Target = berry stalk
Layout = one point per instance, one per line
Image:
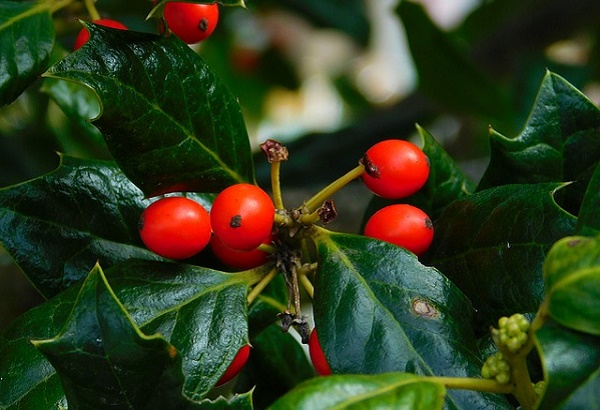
(91, 8)
(317, 200)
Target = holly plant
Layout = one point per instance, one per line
(172, 280)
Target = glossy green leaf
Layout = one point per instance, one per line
(79, 103)
(446, 73)
(588, 218)
(58, 225)
(383, 391)
(201, 312)
(104, 360)
(26, 40)
(446, 182)
(572, 275)
(560, 142)
(378, 310)
(277, 364)
(571, 363)
(169, 122)
(492, 245)
(237, 402)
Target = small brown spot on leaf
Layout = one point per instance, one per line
(424, 309)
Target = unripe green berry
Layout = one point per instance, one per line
(502, 322)
(512, 328)
(503, 377)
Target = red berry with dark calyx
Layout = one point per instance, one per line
(191, 22)
(84, 34)
(175, 227)
(242, 216)
(403, 225)
(236, 366)
(317, 356)
(395, 169)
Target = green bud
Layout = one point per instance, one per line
(503, 378)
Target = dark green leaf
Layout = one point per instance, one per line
(446, 73)
(58, 225)
(26, 40)
(167, 119)
(384, 391)
(79, 103)
(572, 275)
(588, 218)
(237, 402)
(200, 311)
(277, 364)
(379, 310)
(104, 360)
(492, 245)
(571, 362)
(560, 142)
(446, 182)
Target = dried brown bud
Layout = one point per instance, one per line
(274, 151)
(327, 212)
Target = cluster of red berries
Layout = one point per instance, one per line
(395, 169)
(191, 22)
(240, 220)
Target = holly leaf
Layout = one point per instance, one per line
(572, 379)
(588, 218)
(492, 245)
(560, 142)
(201, 312)
(572, 278)
(26, 41)
(78, 103)
(389, 391)
(169, 122)
(277, 364)
(379, 310)
(104, 360)
(58, 225)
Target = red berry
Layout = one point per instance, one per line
(239, 259)
(403, 225)
(191, 22)
(242, 216)
(238, 363)
(317, 356)
(175, 227)
(395, 169)
(84, 34)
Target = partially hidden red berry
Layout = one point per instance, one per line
(242, 216)
(403, 225)
(239, 259)
(175, 227)
(191, 22)
(236, 366)
(84, 34)
(395, 169)
(317, 356)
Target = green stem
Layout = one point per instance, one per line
(317, 200)
(469, 383)
(308, 286)
(260, 286)
(276, 185)
(92, 11)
